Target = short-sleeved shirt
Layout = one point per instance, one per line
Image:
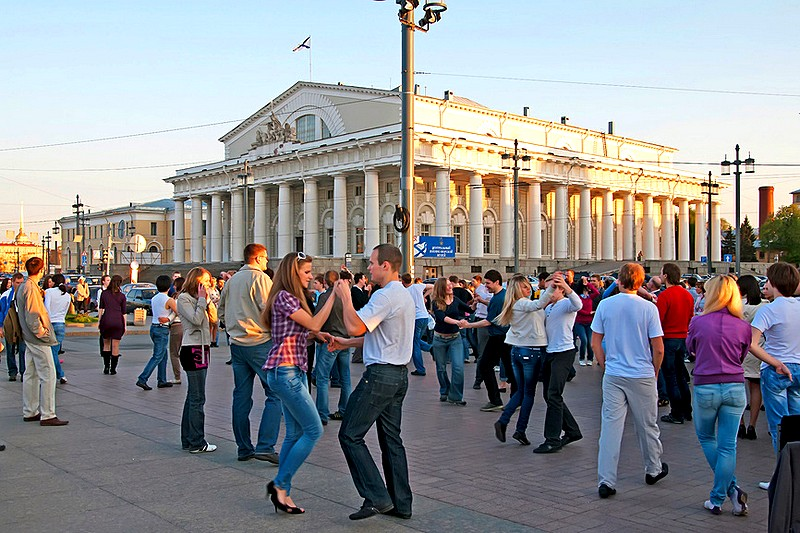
(389, 317)
(456, 310)
(628, 322)
(493, 311)
(289, 339)
(780, 324)
(417, 291)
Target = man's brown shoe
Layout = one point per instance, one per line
(55, 421)
(33, 418)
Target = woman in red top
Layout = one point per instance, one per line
(583, 322)
(113, 319)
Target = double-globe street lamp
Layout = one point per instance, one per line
(512, 161)
(749, 168)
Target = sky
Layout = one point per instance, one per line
(79, 70)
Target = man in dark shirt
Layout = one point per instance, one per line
(465, 296)
(326, 360)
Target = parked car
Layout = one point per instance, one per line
(93, 296)
(140, 298)
(125, 289)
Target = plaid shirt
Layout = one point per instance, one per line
(289, 339)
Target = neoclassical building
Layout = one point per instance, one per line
(317, 169)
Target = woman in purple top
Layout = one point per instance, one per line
(720, 340)
(112, 314)
(289, 317)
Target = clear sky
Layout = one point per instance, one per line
(79, 70)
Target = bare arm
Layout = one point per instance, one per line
(657, 344)
(314, 323)
(597, 347)
(760, 353)
(355, 326)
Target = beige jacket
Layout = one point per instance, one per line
(240, 306)
(197, 315)
(33, 318)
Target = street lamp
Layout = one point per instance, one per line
(78, 207)
(749, 168)
(511, 161)
(711, 188)
(56, 231)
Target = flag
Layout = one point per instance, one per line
(304, 44)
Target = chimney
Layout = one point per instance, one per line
(766, 206)
(611, 127)
(416, 88)
(525, 111)
(448, 95)
(564, 119)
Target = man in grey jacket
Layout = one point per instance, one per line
(39, 386)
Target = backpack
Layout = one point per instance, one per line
(11, 327)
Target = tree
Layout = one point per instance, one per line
(728, 242)
(748, 239)
(781, 233)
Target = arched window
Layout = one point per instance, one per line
(153, 249)
(326, 133)
(306, 128)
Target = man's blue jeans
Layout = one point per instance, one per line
(781, 397)
(378, 399)
(59, 328)
(323, 362)
(193, 435)
(160, 337)
(676, 376)
(717, 410)
(420, 325)
(15, 352)
(247, 362)
(449, 350)
(527, 363)
(303, 427)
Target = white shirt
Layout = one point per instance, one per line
(627, 322)
(159, 306)
(57, 304)
(780, 324)
(559, 322)
(389, 317)
(481, 310)
(417, 294)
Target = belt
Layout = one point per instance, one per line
(160, 325)
(446, 335)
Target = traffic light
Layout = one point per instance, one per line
(105, 256)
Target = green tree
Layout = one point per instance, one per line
(728, 241)
(781, 233)
(748, 239)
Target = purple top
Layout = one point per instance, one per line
(289, 339)
(720, 341)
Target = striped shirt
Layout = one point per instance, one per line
(289, 339)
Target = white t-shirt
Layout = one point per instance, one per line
(416, 291)
(560, 321)
(481, 310)
(57, 304)
(627, 322)
(780, 324)
(159, 306)
(389, 317)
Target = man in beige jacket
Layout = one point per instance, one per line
(39, 385)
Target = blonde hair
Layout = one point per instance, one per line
(513, 293)
(723, 292)
(192, 282)
(440, 293)
(287, 278)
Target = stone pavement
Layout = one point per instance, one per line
(118, 465)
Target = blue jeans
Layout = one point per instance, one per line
(465, 344)
(717, 410)
(584, 334)
(527, 363)
(14, 353)
(303, 427)
(420, 325)
(781, 397)
(60, 329)
(323, 363)
(449, 351)
(378, 399)
(247, 362)
(160, 337)
(677, 378)
(193, 421)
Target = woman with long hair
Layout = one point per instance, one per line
(528, 340)
(113, 318)
(57, 301)
(583, 321)
(447, 346)
(289, 317)
(197, 314)
(720, 339)
(175, 330)
(751, 302)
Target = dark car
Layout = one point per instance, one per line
(93, 296)
(139, 298)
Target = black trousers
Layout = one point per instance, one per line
(496, 351)
(556, 369)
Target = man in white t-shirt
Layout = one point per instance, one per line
(159, 334)
(418, 292)
(630, 350)
(387, 325)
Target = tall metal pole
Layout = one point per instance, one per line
(407, 139)
(246, 215)
(709, 192)
(79, 243)
(516, 209)
(737, 186)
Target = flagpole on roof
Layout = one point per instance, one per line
(307, 45)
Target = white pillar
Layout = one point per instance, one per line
(560, 223)
(507, 217)
(284, 219)
(311, 226)
(535, 220)
(699, 231)
(372, 233)
(648, 233)
(683, 229)
(226, 229)
(340, 215)
(260, 216)
(197, 229)
(476, 215)
(207, 210)
(628, 216)
(716, 233)
(667, 230)
(597, 214)
(585, 224)
(179, 239)
(442, 227)
(237, 225)
(608, 225)
(214, 231)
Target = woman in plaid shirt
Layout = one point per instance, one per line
(289, 317)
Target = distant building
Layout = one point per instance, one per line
(796, 197)
(18, 248)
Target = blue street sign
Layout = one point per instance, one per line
(728, 258)
(84, 259)
(433, 246)
(703, 259)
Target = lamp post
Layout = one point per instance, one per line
(511, 161)
(749, 168)
(711, 188)
(56, 231)
(78, 207)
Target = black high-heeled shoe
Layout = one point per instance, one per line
(272, 492)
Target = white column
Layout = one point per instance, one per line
(476, 215)
(197, 229)
(535, 220)
(597, 214)
(628, 216)
(560, 223)
(226, 229)
(372, 233)
(442, 227)
(699, 231)
(585, 224)
(340, 215)
(311, 227)
(667, 230)
(608, 225)
(179, 239)
(683, 229)
(214, 231)
(507, 217)
(648, 233)
(207, 210)
(284, 219)
(716, 233)
(237, 225)
(260, 216)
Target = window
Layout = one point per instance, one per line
(389, 234)
(298, 242)
(358, 190)
(153, 228)
(425, 230)
(172, 227)
(428, 186)
(329, 194)
(204, 227)
(487, 193)
(326, 133)
(389, 187)
(487, 240)
(305, 126)
(153, 249)
(360, 240)
(101, 232)
(457, 233)
(330, 240)
(459, 190)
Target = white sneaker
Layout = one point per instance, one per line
(589, 363)
(205, 449)
(739, 501)
(764, 485)
(582, 362)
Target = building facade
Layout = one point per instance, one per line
(317, 169)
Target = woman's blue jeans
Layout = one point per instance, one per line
(303, 426)
(527, 363)
(584, 333)
(59, 328)
(193, 421)
(781, 397)
(717, 410)
(449, 350)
